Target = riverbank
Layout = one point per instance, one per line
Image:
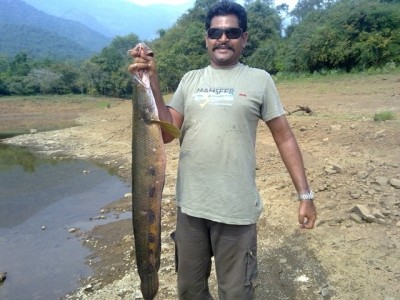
(352, 163)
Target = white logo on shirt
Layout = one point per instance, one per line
(214, 96)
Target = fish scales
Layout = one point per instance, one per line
(148, 174)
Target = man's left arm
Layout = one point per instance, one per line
(293, 160)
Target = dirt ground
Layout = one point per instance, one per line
(353, 165)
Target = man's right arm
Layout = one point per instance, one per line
(166, 114)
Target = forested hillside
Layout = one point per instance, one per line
(115, 17)
(39, 43)
(325, 36)
(24, 28)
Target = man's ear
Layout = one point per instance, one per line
(206, 39)
(245, 38)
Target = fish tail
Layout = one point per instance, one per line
(149, 286)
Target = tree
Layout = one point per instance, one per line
(347, 35)
(44, 81)
(20, 66)
(106, 73)
(305, 7)
(264, 26)
(69, 78)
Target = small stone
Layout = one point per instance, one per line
(380, 133)
(363, 212)
(336, 127)
(394, 182)
(337, 168)
(380, 221)
(88, 288)
(96, 286)
(329, 170)
(3, 276)
(122, 293)
(302, 278)
(381, 180)
(325, 292)
(356, 218)
(377, 213)
(72, 230)
(355, 195)
(137, 295)
(43, 227)
(362, 175)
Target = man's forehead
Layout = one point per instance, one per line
(225, 21)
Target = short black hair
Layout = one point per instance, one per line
(227, 7)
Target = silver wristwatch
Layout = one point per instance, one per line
(306, 196)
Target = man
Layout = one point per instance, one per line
(218, 109)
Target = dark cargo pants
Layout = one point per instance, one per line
(234, 248)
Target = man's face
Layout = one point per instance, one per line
(225, 51)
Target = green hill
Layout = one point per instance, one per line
(38, 43)
(24, 28)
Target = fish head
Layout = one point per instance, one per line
(140, 49)
(141, 76)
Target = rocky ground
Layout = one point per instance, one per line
(353, 165)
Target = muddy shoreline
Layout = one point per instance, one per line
(351, 160)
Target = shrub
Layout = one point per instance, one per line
(384, 116)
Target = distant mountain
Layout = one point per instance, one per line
(115, 17)
(24, 28)
(38, 43)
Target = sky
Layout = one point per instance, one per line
(291, 3)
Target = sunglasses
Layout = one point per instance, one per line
(231, 33)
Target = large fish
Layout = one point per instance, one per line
(148, 174)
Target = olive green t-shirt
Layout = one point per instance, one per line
(221, 109)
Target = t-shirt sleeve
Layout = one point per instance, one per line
(177, 101)
(271, 106)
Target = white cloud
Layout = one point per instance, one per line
(291, 3)
(150, 2)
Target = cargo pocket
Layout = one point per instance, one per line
(172, 235)
(251, 266)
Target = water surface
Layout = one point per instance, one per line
(41, 199)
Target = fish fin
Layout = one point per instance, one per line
(168, 127)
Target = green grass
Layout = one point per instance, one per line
(334, 75)
(384, 116)
(84, 101)
(103, 104)
(5, 135)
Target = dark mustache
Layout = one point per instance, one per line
(221, 46)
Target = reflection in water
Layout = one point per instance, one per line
(11, 156)
(37, 191)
